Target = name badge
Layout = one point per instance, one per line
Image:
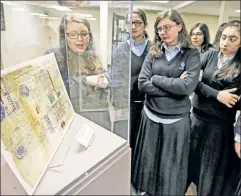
(182, 65)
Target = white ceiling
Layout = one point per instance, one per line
(195, 7)
(212, 8)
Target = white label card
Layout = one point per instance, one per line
(85, 136)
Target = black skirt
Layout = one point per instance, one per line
(135, 117)
(160, 158)
(238, 189)
(213, 165)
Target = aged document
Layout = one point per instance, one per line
(35, 115)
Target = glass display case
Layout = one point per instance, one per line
(82, 36)
(32, 29)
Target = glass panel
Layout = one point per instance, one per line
(83, 36)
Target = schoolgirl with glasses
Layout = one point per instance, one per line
(199, 34)
(168, 76)
(139, 45)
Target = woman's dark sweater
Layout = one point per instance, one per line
(205, 103)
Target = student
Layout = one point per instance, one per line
(160, 158)
(81, 69)
(139, 45)
(214, 109)
(200, 37)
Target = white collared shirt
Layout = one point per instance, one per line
(223, 62)
(137, 49)
(170, 54)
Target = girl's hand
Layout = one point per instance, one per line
(184, 75)
(237, 148)
(227, 98)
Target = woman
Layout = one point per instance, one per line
(200, 37)
(160, 158)
(139, 45)
(81, 69)
(212, 158)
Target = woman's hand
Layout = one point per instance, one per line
(237, 148)
(227, 98)
(99, 81)
(184, 75)
(102, 82)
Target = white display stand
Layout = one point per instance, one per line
(101, 169)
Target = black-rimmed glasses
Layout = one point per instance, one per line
(197, 34)
(137, 23)
(76, 35)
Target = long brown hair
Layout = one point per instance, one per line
(183, 36)
(232, 69)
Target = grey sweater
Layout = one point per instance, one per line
(167, 96)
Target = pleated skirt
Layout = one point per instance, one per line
(135, 117)
(214, 167)
(160, 157)
(238, 188)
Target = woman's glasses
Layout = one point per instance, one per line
(76, 35)
(137, 23)
(165, 28)
(197, 34)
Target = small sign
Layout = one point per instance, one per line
(85, 136)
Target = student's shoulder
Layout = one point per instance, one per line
(192, 53)
(209, 54)
(122, 46)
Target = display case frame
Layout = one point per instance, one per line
(107, 160)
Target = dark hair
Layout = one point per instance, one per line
(74, 17)
(218, 35)
(143, 17)
(206, 38)
(183, 37)
(231, 70)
